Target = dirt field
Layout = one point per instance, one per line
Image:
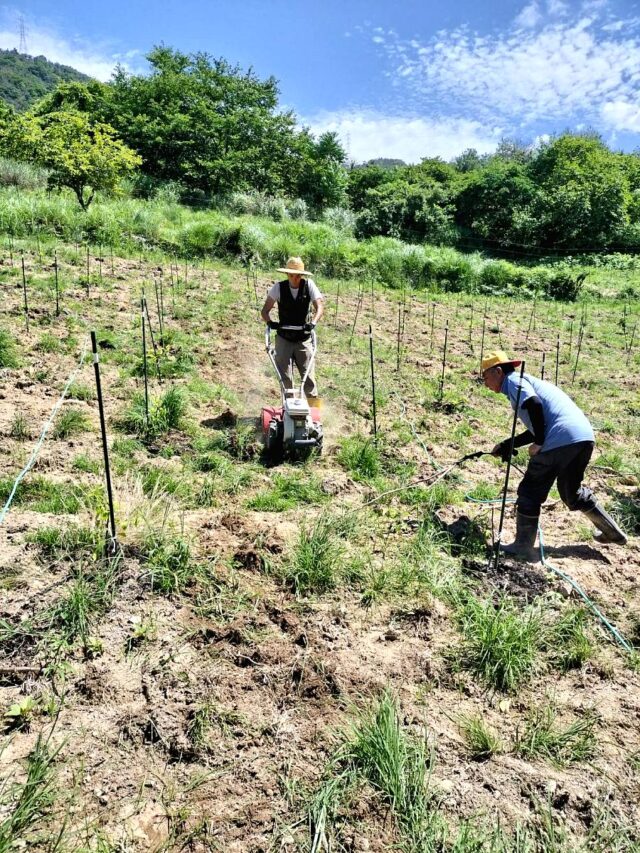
(197, 691)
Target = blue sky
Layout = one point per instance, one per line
(399, 79)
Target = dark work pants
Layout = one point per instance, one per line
(567, 464)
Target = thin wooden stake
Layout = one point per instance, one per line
(88, 272)
(335, 319)
(557, 358)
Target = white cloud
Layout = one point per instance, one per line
(367, 134)
(97, 61)
(622, 115)
(552, 70)
(557, 8)
(529, 16)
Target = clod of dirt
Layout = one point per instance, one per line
(249, 559)
(223, 421)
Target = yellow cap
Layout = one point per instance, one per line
(498, 356)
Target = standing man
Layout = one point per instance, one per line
(294, 297)
(561, 442)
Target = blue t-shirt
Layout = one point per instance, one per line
(564, 422)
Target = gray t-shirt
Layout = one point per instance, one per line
(314, 292)
(564, 422)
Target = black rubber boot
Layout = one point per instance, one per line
(522, 546)
(608, 529)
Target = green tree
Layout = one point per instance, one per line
(584, 198)
(212, 127)
(80, 154)
(411, 212)
(496, 202)
(322, 177)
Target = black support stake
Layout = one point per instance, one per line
(496, 556)
(144, 359)
(579, 347)
(55, 272)
(373, 386)
(557, 357)
(24, 291)
(103, 430)
(355, 319)
(544, 358)
(156, 357)
(444, 360)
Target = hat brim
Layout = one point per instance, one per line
(293, 272)
(516, 362)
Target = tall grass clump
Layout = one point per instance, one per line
(288, 491)
(568, 641)
(25, 805)
(481, 741)
(315, 563)
(165, 413)
(23, 176)
(361, 457)
(396, 765)
(169, 564)
(8, 350)
(543, 738)
(500, 643)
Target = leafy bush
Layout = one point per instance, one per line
(23, 176)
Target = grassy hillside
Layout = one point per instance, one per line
(328, 246)
(24, 78)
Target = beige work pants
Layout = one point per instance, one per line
(300, 352)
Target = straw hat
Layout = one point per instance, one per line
(295, 266)
(498, 357)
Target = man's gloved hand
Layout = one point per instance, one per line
(273, 324)
(502, 450)
(309, 327)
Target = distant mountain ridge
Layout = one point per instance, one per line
(24, 78)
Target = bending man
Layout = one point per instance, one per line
(561, 442)
(294, 296)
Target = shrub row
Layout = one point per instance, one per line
(330, 250)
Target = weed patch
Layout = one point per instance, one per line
(500, 643)
(542, 738)
(288, 491)
(70, 422)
